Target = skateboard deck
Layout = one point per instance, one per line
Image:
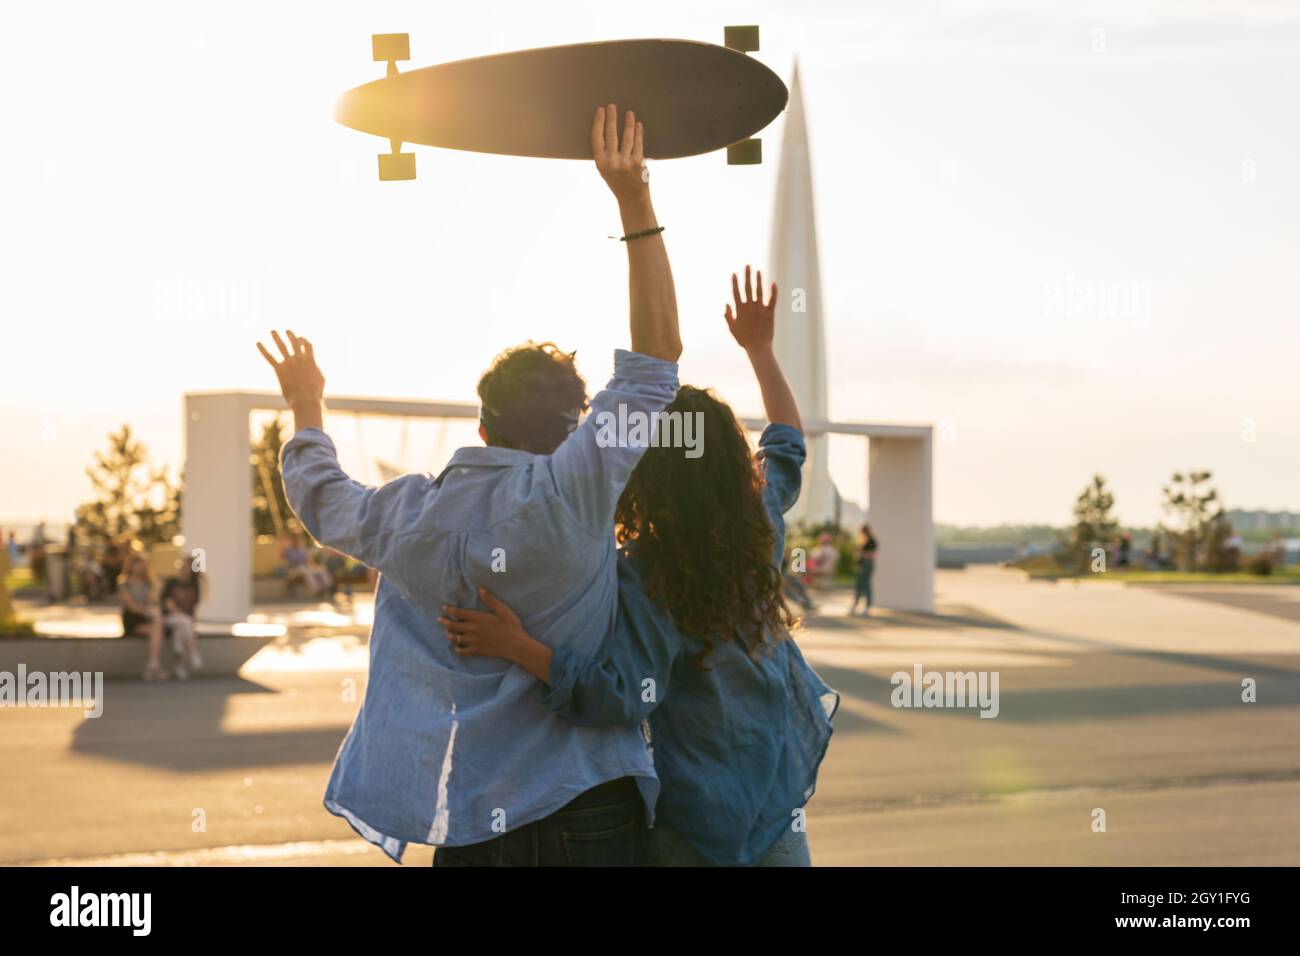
(692, 97)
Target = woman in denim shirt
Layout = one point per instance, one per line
(701, 651)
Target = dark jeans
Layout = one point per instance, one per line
(862, 584)
(603, 827)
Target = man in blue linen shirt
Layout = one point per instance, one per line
(464, 753)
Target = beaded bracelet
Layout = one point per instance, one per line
(642, 234)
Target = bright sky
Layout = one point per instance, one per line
(1068, 234)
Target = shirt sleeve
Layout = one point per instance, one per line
(591, 466)
(782, 451)
(344, 514)
(628, 678)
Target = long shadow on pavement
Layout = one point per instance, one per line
(1276, 685)
(177, 726)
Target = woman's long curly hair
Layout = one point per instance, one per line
(702, 534)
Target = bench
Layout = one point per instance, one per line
(224, 649)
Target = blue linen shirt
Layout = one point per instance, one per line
(448, 750)
(737, 746)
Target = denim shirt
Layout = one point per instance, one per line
(737, 746)
(448, 750)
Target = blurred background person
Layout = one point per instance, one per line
(792, 587)
(178, 602)
(866, 567)
(140, 618)
(300, 572)
(822, 561)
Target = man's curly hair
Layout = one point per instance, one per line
(703, 536)
(531, 396)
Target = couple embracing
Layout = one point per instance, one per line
(580, 652)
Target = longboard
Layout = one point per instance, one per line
(693, 97)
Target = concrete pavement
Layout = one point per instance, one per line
(1126, 700)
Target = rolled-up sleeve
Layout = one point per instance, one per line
(593, 464)
(782, 450)
(342, 513)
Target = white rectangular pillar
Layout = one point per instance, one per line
(902, 518)
(216, 509)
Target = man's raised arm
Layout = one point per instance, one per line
(590, 470)
(652, 298)
(337, 511)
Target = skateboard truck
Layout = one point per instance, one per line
(392, 47)
(748, 152)
(396, 164)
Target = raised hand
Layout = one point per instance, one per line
(652, 299)
(753, 324)
(621, 164)
(301, 381)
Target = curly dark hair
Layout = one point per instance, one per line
(703, 536)
(531, 396)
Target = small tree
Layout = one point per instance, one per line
(271, 512)
(1220, 554)
(1194, 507)
(160, 523)
(1094, 526)
(134, 500)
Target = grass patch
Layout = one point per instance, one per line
(1288, 576)
(17, 628)
(1046, 567)
(19, 579)
(1042, 566)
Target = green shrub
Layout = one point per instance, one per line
(1260, 564)
(17, 628)
(1041, 566)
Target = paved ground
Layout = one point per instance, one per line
(1126, 700)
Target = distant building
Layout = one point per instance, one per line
(1274, 521)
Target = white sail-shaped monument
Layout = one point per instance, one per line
(800, 333)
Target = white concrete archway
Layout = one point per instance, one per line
(217, 517)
